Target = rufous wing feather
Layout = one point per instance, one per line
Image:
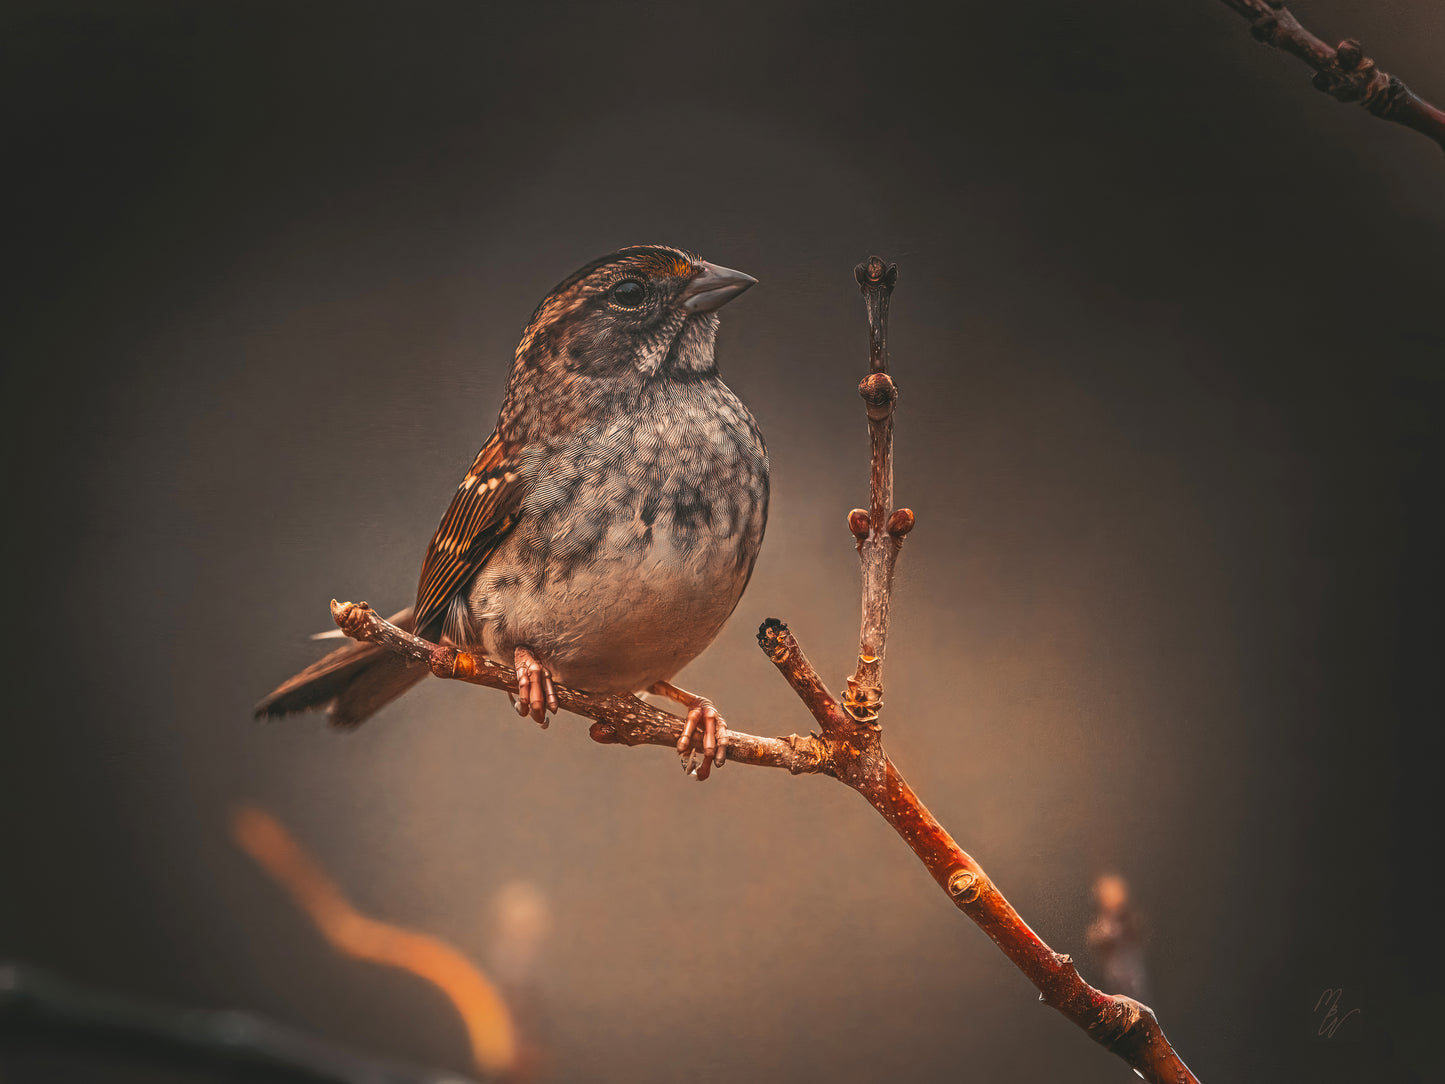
(484, 509)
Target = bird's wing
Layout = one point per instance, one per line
(483, 511)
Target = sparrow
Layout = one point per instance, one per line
(606, 531)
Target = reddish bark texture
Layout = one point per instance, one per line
(853, 745)
(1344, 72)
(619, 720)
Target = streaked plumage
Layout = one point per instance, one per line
(611, 523)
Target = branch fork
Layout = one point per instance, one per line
(848, 744)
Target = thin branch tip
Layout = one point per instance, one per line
(772, 638)
(876, 273)
(1344, 72)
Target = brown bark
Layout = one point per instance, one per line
(855, 752)
(1344, 72)
(619, 720)
(849, 746)
(879, 533)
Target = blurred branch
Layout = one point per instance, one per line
(850, 746)
(39, 1008)
(486, 1017)
(1344, 72)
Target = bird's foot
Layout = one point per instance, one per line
(536, 695)
(704, 732)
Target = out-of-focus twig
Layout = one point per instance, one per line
(1344, 72)
(42, 1010)
(521, 916)
(486, 1017)
(1117, 937)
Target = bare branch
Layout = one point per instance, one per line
(1120, 1024)
(856, 755)
(879, 530)
(620, 720)
(779, 645)
(1344, 72)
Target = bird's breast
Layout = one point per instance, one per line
(636, 539)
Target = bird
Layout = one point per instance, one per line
(608, 528)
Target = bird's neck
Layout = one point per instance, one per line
(694, 349)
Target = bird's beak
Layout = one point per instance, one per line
(712, 287)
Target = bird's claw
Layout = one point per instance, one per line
(703, 722)
(536, 695)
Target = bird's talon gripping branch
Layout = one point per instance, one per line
(703, 724)
(535, 693)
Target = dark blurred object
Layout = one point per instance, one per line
(1117, 938)
(40, 1009)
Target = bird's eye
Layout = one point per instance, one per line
(629, 293)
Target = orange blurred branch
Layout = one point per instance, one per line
(488, 1022)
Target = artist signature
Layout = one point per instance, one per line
(1327, 1010)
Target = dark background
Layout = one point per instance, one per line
(1169, 338)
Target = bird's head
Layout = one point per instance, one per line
(650, 310)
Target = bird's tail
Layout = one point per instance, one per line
(351, 684)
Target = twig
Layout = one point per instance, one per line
(1344, 72)
(850, 747)
(1116, 935)
(37, 1007)
(620, 720)
(879, 530)
(484, 1014)
(856, 754)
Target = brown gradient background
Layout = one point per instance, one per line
(1169, 338)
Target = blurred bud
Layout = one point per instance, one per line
(521, 917)
(1112, 892)
(1117, 938)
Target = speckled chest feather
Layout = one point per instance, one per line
(636, 535)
